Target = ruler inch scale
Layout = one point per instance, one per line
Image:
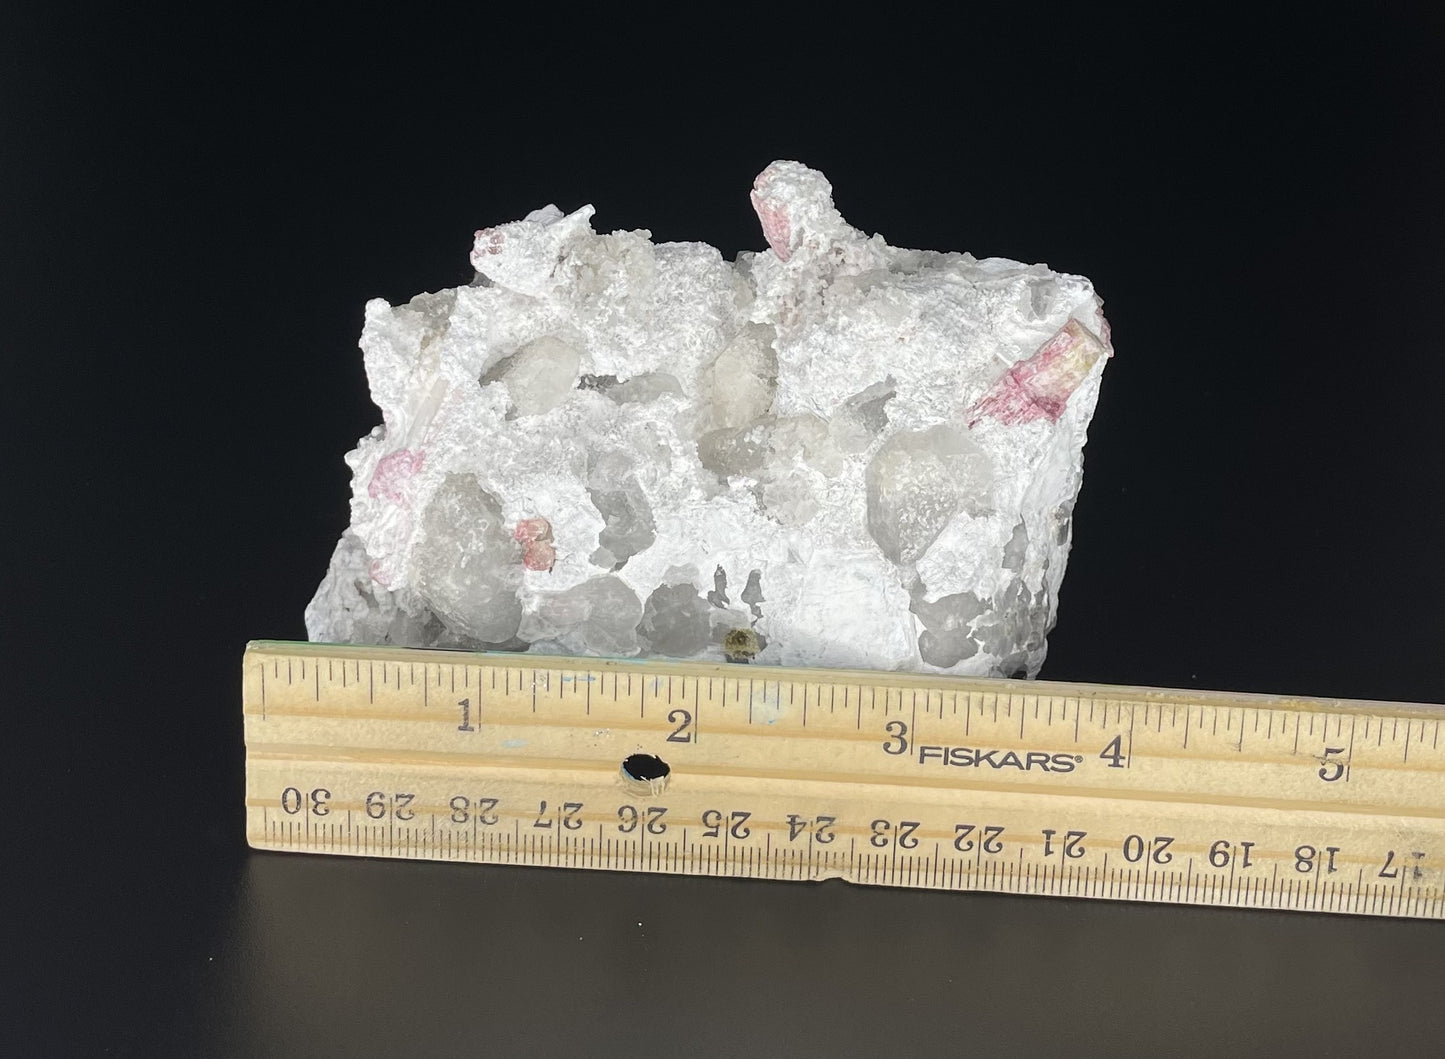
(893, 779)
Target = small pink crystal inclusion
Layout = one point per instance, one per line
(391, 471)
(492, 247)
(535, 535)
(777, 227)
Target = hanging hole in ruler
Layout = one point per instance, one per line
(645, 773)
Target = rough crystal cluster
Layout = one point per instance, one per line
(833, 452)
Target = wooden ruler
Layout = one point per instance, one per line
(893, 779)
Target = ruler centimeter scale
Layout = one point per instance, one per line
(1023, 787)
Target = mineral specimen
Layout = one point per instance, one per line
(832, 452)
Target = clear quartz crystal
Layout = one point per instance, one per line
(628, 527)
(830, 452)
(465, 564)
(918, 482)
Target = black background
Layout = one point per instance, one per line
(194, 209)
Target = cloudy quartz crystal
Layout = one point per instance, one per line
(832, 452)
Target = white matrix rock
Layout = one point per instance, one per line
(832, 452)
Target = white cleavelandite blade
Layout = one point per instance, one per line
(832, 452)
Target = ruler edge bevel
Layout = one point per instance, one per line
(877, 678)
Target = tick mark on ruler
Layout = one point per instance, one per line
(1350, 753)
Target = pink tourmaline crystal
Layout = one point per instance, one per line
(532, 529)
(1040, 386)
